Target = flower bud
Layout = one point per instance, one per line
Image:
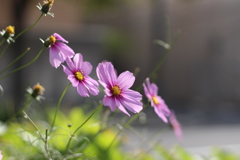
(37, 90)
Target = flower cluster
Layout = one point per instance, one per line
(116, 88)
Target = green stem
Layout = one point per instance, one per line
(39, 53)
(14, 61)
(2, 41)
(27, 103)
(34, 125)
(6, 47)
(120, 131)
(28, 27)
(159, 64)
(70, 139)
(58, 105)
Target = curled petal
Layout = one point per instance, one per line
(60, 38)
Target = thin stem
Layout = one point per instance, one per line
(70, 139)
(6, 47)
(39, 53)
(2, 41)
(120, 131)
(19, 34)
(14, 61)
(58, 105)
(34, 125)
(159, 64)
(27, 103)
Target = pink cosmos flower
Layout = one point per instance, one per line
(176, 125)
(117, 89)
(1, 156)
(59, 51)
(77, 72)
(151, 91)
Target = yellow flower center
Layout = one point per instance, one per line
(79, 76)
(116, 91)
(38, 89)
(155, 100)
(49, 2)
(52, 39)
(10, 29)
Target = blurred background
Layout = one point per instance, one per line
(199, 80)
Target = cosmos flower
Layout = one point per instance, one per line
(46, 7)
(1, 156)
(59, 51)
(151, 92)
(117, 89)
(77, 72)
(8, 33)
(176, 125)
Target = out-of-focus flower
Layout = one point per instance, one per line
(46, 7)
(36, 92)
(151, 92)
(117, 89)
(8, 33)
(77, 72)
(59, 51)
(1, 156)
(176, 125)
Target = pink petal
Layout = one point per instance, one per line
(70, 64)
(106, 73)
(60, 38)
(126, 79)
(120, 106)
(86, 68)
(92, 85)
(78, 60)
(66, 70)
(146, 91)
(65, 50)
(131, 94)
(110, 101)
(82, 91)
(55, 57)
(73, 80)
(154, 89)
(132, 104)
(159, 112)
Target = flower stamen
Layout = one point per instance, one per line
(10, 30)
(79, 76)
(116, 91)
(155, 100)
(52, 39)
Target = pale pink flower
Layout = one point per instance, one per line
(1, 156)
(151, 92)
(176, 125)
(77, 72)
(117, 89)
(59, 51)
